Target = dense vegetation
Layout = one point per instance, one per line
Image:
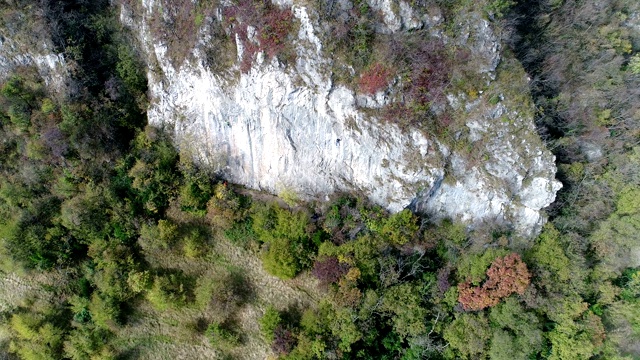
(128, 227)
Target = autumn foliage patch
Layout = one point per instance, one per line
(427, 68)
(272, 26)
(175, 26)
(375, 78)
(506, 276)
(284, 340)
(329, 270)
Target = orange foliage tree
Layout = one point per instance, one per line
(506, 276)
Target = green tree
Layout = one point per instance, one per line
(473, 267)
(468, 335)
(400, 227)
(517, 333)
(616, 237)
(35, 337)
(552, 266)
(408, 315)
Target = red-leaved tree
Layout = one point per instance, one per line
(329, 270)
(283, 340)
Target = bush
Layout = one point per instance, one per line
(472, 267)
(284, 340)
(176, 28)
(171, 290)
(280, 260)
(194, 244)
(427, 70)
(374, 78)
(468, 334)
(287, 246)
(272, 24)
(264, 219)
(224, 208)
(88, 343)
(131, 71)
(273, 34)
(155, 174)
(498, 8)
(221, 337)
(222, 291)
(195, 193)
(105, 311)
(35, 339)
(634, 64)
(269, 322)
(241, 233)
(168, 234)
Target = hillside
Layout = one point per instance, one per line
(320, 180)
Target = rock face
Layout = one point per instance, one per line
(20, 45)
(291, 128)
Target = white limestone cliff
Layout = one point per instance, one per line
(291, 128)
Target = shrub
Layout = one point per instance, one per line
(241, 233)
(473, 267)
(220, 336)
(284, 340)
(88, 343)
(272, 25)
(194, 244)
(427, 70)
(468, 334)
(170, 290)
(168, 233)
(224, 208)
(264, 219)
(269, 322)
(222, 291)
(131, 71)
(498, 8)
(176, 28)
(374, 78)
(280, 260)
(404, 301)
(287, 246)
(105, 311)
(634, 64)
(35, 338)
(139, 281)
(443, 280)
(155, 175)
(273, 34)
(195, 193)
